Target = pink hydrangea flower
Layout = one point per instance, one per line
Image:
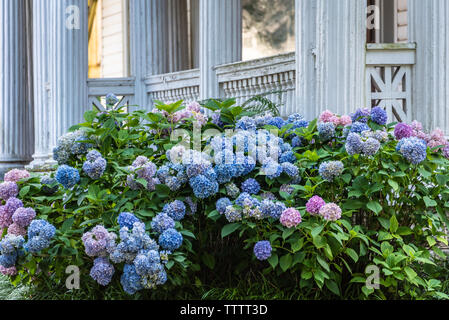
(15, 175)
(12, 271)
(314, 205)
(290, 218)
(330, 212)
(326, 116)
(345, 120)
(16, 230)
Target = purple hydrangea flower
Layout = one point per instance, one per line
(102, 271)
(290, 218)
(98, 242)
(402, 130)
(23, 216)
(8, 189)
(314, 205)
(361, 115)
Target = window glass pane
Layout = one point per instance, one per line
(268, 27)
(108, 39)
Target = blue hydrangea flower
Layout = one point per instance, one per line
(370, 147)
(233, 214)
(251, 186)
(241, 198)
(162, 222)
(354, 144)
(330, 170)
(276, 121)
(413, 149)
(67, 176)
(47, 183)
(127, 219)
(40, 233)
(175, 210)
(270, 208)
(359, 127)
(246, 123)
(221, 205)
(379, 115)
(296, 142)
(111, 99)
(95, 165)
(326, 130)
(225, 172)
(288, 156)
(262, 250)
(203, 187)
(130, 280)
(361, 115)
(290, 169)
(272, 169)
(170, 239)
(294, 118)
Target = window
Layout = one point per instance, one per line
(268, 27)
(108, 38)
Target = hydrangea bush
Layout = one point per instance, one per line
(149, 201)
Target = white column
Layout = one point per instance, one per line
(68, 65)
(330, 55)
(220, 41)
(16, 136)
(42, 112)
(429, 28)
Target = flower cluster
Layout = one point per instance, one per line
(142, 169)
(8, 189)
(290, 218)
(67, 176)
(330, 170)
(40, 233)
(326, 130)
(175, 210)
(328, 116)
(330, 212)
(251, 186)
(95, 165)
(70, 144)
(364, 144)
(15, 175)
(10, 247)
(262, 250)
(99, 242)
(314, 205)
(412, 149)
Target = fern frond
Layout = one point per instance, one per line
(260, 104)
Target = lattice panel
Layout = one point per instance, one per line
(389, 87)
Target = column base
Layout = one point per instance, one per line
(41, 163)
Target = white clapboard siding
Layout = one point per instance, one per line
(402, 21)
(113, 60)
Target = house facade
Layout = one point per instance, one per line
(60, 57)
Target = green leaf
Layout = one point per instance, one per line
(317, 230)
(67, 225)
(393, 184)
(208, 260)
(229, 228)
(323, 263)
(351, 252)
(332, 286)
(411, 274)
(393, 224)
(429, 202)
(24, 191)
(374, 206)
(273, 260)
(286, 262)
(431, 241)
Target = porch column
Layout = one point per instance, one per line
(42, 109)
(68, 65)
(220, 41)
(429, 28)
(330, 55)
(16, 114)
